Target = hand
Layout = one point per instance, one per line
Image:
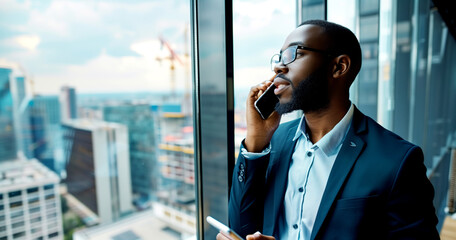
(224, 236)
(259, 131)
(255, 236)
(259, 236)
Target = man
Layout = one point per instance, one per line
(335, 173)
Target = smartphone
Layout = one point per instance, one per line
(225, 230)
(267, 102)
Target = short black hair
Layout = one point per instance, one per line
(342, 41)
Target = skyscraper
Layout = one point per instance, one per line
(176, 194)
(68, 103)
(30, 201)
(7, 136)
(46, 131)
(98, 169)
(143, 147)
(22, 126)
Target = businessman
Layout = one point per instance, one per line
(335, 173)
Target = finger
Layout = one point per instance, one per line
(221, 236)
(259, 236)
(255, 236)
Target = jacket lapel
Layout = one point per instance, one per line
(348, 154)
(280, 168)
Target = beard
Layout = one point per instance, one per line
(311, 94)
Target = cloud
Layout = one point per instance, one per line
(29, 42)
(150, 49)
(260, 28)
(116, 74)
(250, 76)
(259, 16)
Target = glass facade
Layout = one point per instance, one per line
(7, 136)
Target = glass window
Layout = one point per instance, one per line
(312, 9)
(32, 190)
(256, 38)
(102, 98)
(14, 194)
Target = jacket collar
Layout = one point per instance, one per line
(349, 153)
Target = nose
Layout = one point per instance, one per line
(280, 68)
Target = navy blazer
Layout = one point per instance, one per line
(377, 188)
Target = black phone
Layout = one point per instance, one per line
(267, 102)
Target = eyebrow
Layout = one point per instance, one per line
(293, 44)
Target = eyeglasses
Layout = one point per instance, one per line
(289, 55)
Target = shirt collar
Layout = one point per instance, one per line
(333, 138)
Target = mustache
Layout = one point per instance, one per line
(280, 75)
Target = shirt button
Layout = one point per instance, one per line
(301, 189)
(295, 226)
(309, 154)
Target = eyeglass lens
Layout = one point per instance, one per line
(287, 56)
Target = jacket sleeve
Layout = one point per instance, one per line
(410, 210)
(247, 195)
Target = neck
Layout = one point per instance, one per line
(321, 122)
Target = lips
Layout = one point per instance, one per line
(281, 86)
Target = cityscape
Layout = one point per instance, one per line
(100, 161)
(96, 116)
(88, 166)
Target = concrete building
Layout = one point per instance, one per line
(175, 203)
(98, 169)
(29, 201)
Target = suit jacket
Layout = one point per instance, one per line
(377, 188)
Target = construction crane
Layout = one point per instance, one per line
(172, 57)
(183, 60)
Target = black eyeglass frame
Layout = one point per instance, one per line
(295, 47)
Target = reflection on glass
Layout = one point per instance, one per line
(96, 138)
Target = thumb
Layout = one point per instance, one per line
(259, 236)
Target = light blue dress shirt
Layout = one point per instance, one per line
(307, 177)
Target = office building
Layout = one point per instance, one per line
(46, 132)
(29, 201)
(143, 147)
(68, 103)
(23, 133)
(7, 135)
(98, 169)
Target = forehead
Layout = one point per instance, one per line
(307, 35)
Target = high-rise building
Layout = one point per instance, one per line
(46, 131)
(98, 169)
(176, 193)
(22, 116)
(68, 103)
(29, 201)
(143, 147)
(7, 136)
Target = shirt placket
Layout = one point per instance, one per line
(309, 158)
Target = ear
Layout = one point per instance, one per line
(342, 64)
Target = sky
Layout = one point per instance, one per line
(113, 46)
